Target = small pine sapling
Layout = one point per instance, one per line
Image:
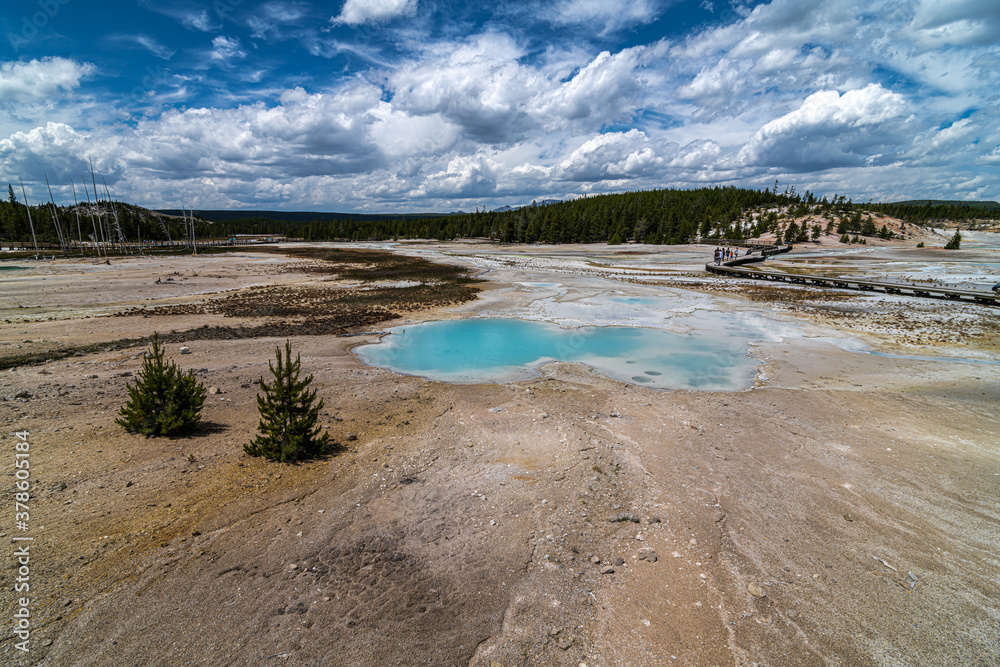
(288, 414)
(164, 400)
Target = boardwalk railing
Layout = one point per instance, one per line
(753, 245)
(738, 267)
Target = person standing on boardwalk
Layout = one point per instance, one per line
(996, 289)
(717, 256)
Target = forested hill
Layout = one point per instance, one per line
(650, 216)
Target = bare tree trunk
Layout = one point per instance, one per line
(55, 218)
(98, 238)
(118, 227)
(194, 237)
(97, 203)
(31, 225)
(76, 209)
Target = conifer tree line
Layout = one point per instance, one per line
(650, 216)
(666, 216)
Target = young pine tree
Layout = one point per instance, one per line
(288, 414)
(955, 243)
(163, 400)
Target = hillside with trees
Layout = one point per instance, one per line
(653, 216)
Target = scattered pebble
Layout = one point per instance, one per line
(647, 554)
(756, 590)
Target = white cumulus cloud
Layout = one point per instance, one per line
(612, 15)
(607, 89)
(59, 149)
(715, 86)
(956, 23)
(611, 156)
(36, 81)
(483, 86)
(355, 12)
(830, 130)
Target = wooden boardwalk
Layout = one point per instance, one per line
(740, 267)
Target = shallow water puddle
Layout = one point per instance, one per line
(502, 350)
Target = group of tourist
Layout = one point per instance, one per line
(725, 254)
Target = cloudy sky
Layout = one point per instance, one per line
(420, 105)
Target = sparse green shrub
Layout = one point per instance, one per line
(288, 414)
(920, 245)
(163, 400)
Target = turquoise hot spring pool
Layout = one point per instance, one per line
(503, 350)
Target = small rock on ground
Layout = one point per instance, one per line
(647, 554)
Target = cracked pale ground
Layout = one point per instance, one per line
(469, 524)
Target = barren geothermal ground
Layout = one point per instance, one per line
(842, 510)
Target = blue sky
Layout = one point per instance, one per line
(420, 105)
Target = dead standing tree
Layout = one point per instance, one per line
(31, 224)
